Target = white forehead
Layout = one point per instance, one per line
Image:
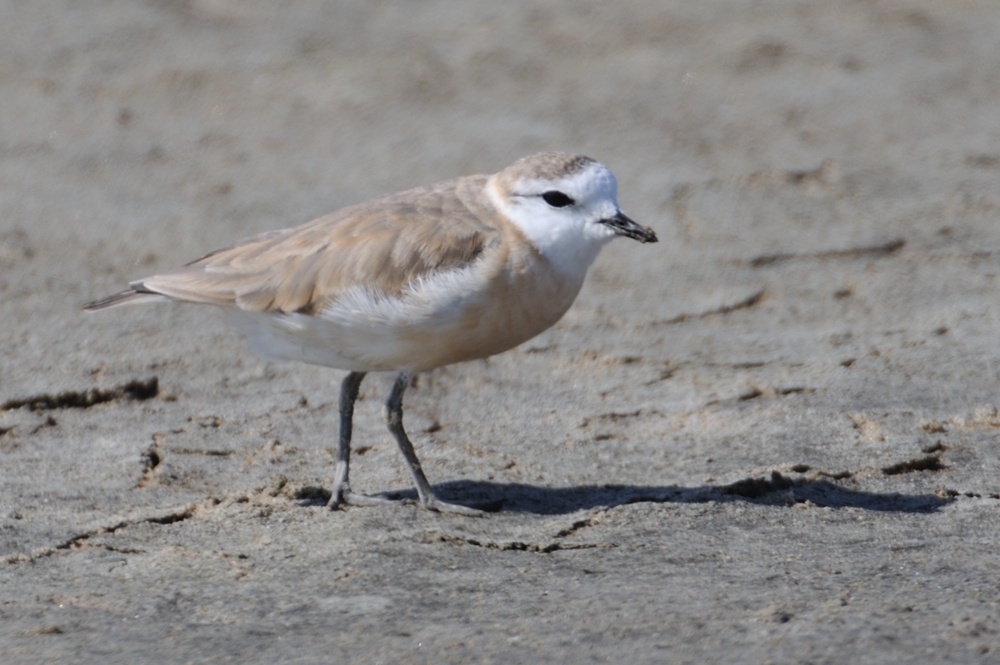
(593, 183)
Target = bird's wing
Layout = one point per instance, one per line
(381, 245)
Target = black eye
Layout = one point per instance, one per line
(557, 199)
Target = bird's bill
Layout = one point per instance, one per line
(623, 226)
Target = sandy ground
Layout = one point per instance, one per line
(769, 438)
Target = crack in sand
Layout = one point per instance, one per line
(135, 389)
(79, 542)
(578, 525)
(745, 303)
(883, 249)
(511, 545)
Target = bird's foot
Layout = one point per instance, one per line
(349, 498)
(437, 505)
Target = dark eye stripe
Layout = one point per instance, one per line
(557, 199)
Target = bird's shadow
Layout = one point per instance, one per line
(777, 490)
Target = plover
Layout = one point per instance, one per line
(460, 270)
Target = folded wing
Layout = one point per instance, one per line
(381, 245)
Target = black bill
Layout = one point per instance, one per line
(624, 226)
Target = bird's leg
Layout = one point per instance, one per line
(394, 418)
(342, 493)
(341, 485)
(348, 395)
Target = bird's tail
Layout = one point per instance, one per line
(131, 296)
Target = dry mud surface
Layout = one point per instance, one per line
(771, 437)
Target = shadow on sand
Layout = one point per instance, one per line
(777, 490)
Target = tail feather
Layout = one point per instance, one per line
(128, 297)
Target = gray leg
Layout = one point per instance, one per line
(348, 395)
(341, 484)
(394, 418)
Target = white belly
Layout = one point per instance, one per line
(459, 315)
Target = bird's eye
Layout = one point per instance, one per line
(557, 199)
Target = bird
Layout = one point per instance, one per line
(456, 271)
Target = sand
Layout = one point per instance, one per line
(772, 437)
